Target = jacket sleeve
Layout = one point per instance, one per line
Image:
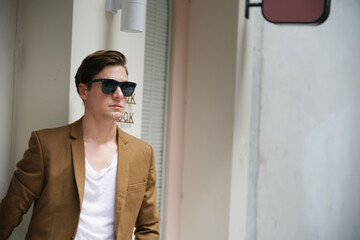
(147, 224)
(25, 187)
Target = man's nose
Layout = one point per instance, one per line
(118, 92)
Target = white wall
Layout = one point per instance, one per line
(209, 119)
(41, 74)
(308, 182)
(94, 29)
(8, 10)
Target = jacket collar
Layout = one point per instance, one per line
(78, 156)
(122, 176)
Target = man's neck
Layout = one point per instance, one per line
(98, 131)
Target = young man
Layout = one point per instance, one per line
(89, 179)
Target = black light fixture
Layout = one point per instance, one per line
(292, 12)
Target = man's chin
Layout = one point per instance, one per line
(114, 116)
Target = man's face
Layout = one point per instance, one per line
(105, 106)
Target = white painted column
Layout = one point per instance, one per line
(245, 114)
(94, 29)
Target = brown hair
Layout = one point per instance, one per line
(95, 63)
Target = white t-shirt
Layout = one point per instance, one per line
(97, 211)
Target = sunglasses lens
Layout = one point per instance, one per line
(109, 86)
(128, 89)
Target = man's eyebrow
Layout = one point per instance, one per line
(122, 80)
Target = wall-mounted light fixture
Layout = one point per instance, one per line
(292, 12)
(132, 13)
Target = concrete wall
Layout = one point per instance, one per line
(41, 74)
(8, 9)
(293, 168)
(209, 119)
(42, 66)
(308, 184)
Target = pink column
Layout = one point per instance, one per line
(176, 120)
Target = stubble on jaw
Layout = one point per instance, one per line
(113, 116)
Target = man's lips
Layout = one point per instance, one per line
(116, 106)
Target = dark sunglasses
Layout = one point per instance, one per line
(109, 86)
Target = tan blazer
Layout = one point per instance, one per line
(52, 174)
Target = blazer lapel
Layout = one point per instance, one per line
(122, 176)
(78, 155)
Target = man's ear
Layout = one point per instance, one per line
(83, 91)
